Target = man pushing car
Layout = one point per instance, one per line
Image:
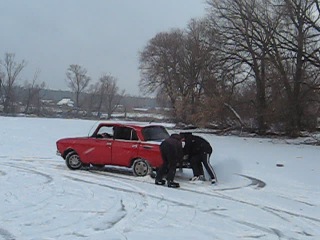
(172, 153)
(199, 151)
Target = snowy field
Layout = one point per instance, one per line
(254, 199)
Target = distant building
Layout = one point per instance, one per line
(66, 102)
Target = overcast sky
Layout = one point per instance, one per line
(103, 36)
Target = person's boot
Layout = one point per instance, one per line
(213, 181)
(173, 184)
(160, 182)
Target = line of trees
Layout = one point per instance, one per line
(10, 70)
(248, 63)
(103, 96)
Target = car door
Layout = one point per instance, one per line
(100, 151)
(151, 152)
(125, 146)
(99, 148)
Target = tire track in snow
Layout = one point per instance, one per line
(213, 193)
(254, 182)
(218, 193)
(6, 235)
(48, 178)
(131, 189)
(2, 173)
(37, 207)
(137, 206)
(275, 232)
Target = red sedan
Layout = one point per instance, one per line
(126, 145)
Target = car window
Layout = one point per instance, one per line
(154, 133)
(105, 132)
(125, 133)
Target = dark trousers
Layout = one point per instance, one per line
(196, 162)
(196, 165)
(169, 165)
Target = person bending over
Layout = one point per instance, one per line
(172, 153)
(199, 151)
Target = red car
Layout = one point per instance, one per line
(127, 145)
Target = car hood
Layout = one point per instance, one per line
(71, 139)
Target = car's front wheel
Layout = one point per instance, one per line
(73, 161)
(141, 167)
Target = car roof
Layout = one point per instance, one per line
(135, 125)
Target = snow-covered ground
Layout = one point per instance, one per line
(254, 199)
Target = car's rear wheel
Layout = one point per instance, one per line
(73, 161)
(141, 167)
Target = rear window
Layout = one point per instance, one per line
(154, 133)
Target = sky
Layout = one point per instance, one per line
(268, 189)
(103, 36)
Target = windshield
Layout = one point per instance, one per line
(154, 133)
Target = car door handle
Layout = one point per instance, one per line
(109, 144)
(147, 147)
(134, 146)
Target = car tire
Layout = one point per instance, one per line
(73, 161)
(141, 168)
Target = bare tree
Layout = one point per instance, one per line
(33, 97)
(9, 72)
(78, 81)
(314, 20)
(313, 16)
(178, 64)
(250, 54)
(198, 68)
(245, 28)
(110, 93)
(105, 95)
(292, 52)
(160, 66)
(277, 43)
(92, 98)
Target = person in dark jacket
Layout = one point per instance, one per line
(172, 153)
(199, 151)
